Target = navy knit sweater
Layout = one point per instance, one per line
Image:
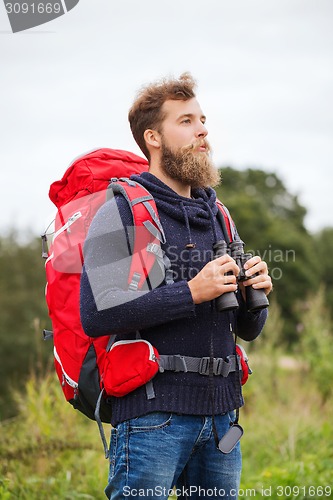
(166, 315)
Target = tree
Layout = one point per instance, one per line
(271, 222)
(324, 255)
(317, 343)
(22, 314)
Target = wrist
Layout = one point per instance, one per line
(195, 292)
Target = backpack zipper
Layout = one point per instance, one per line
(152, 356)
(73, 218)
(67, 378)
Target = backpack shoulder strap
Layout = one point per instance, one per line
(228, 225)
(148, 231)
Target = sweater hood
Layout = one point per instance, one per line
(200, 210)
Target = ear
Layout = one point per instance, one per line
(152, 139)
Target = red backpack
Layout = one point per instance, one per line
(80, 360)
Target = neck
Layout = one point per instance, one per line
(177, 186)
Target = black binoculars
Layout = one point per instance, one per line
(255, 298)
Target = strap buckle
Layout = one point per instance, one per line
(220, 366)
(179, 363)
(204, 366)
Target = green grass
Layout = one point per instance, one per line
(287, 445)
(49, 451)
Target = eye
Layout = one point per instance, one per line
(186, 120)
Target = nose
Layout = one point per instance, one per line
(202, 130)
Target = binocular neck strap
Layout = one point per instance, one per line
(211, 382)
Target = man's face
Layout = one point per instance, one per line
(184, 148)
(184, 124)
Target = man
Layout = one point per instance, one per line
(171, 439)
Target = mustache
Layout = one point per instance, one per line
(197, 144)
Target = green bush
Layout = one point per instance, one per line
(49, 451)
(317, 343)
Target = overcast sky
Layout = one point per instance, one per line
(265, 74)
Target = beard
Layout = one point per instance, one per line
(192, 168)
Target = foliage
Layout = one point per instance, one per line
(23, 314)
(271, 222)
(286, 445)
(268, 350)
(49, 451)
(324, 255)
(317, 343)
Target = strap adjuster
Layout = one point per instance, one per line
(179, 363)
(155, 249)
(128, 181)
(225, 367)
(134, 285)
(204, 366)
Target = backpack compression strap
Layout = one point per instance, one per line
(148, 231)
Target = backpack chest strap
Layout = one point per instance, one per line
(178, 363)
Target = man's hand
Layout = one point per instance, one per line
(263, 280)
(211, 281)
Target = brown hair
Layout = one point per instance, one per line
(146, 113)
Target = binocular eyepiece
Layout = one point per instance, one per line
(255, 298)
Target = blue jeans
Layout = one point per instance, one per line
(149, 455)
